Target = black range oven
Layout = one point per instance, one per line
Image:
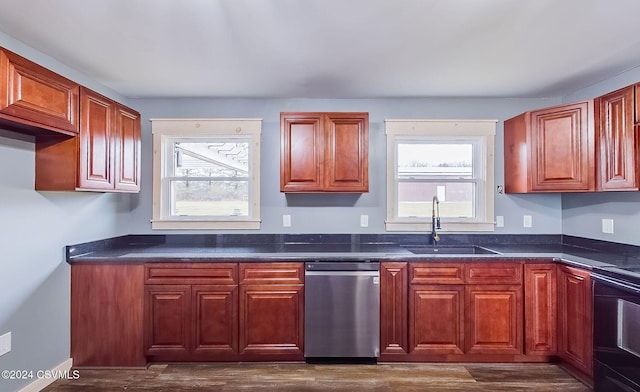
(616, 332)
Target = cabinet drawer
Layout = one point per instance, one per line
(191, 273)
(436, 273)
(271, 273)
(493, 273)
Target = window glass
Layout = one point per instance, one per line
(423, 169)
(211, 178)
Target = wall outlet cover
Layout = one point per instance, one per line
(5, 343)
(607, 226)
(527, 221)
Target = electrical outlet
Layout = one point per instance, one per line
(527, 221)
(364, 220)
(499, 221)
(5, 343)
(286, 220)
(607, 226)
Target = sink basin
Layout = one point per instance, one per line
(451, 250)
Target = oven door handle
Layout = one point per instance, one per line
(616, 283)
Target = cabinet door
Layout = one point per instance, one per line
(36, 96)
(562, 148)
(271, 322)
(96, 147)
(301, 152)
(168, 321)
(215, 322)
(575, 318)
(616, 140)
(393, 310)
(436, 314)
(540, 310)
(493, 319)
(126, 139)
(346, 152)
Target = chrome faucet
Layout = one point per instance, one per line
(435, 220)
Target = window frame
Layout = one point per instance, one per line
(164, 132)
(463, 130)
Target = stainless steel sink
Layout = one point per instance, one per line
(451, 250)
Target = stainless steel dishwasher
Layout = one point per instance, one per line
(342, 310)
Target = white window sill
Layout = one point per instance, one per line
(446, 227)
(205, 224)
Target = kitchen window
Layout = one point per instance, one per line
(206, 173)
(449, 159)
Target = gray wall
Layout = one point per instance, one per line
(582, 214)
(341, 213)
(34, 228)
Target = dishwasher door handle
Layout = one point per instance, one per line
(342, 273)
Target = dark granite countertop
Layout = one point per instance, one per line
(576, 251)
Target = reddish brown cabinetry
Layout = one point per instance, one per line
(105, 156)
(494, 308)
(393, 310)
(33, 98)
(324, 152)
(550, 150)
(617, 141)
(540, 309)
(191, 312)
(436, 289)
(271, 311)
(575, 329)
(107, 315)
(457, 311)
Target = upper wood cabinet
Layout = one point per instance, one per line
(550, 150)
(324, 152)
(105, 156)
(33, 98)
(617, 140)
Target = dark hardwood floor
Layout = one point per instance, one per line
(314, 377)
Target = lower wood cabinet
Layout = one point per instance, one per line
(452, 315)
(205, 312)
(107, 315)
(271, 322)
(575, 343)
(436, 319)
(191, 322)
(393, 310)
(540, 309)
(494, 319)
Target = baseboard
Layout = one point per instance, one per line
(48, 377)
